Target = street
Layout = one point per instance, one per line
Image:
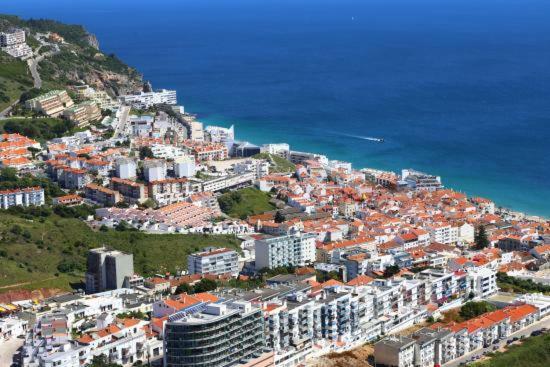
(544, 323)
(122, 128)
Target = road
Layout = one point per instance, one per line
(33, 67)
(8, 349)
(7, 110)
(122, 126)
(544, 323)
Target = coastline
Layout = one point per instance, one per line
(522, 188)
(255, 136)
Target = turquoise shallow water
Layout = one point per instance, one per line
(456, 88)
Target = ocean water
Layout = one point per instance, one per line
(457, 88)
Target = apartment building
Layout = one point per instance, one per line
(52, 103)
(169, 191)
(131, 191)
(125, 168)
(108, 269)
(215, 334)
(101, 98)
(184, 167)
(230, 181)
(204, 152)
(67, 177)
(442, 233)
(154, 169)
(419, 181)
(83, 113)
(282, 149)
(102, 195)
(145, 100)
(214, 260)
(296, 250)
(12, 37)
(122, 342)
(395, 351)
(24, 197)
(13, 43)
(483, 280)
(11, 327)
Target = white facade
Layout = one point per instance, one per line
(296, 250)
(484, 281)
(184, 167)
(23, 197)
(125, 168)
(154, 170)
(214, 261)
(145, 100)
(282, 149)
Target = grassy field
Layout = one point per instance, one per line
(533, 352)
(245, 202)
(15, 78)
(279, 165)
(51, 251)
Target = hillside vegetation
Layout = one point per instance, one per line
(278, 164)
(45, 249)
(245, 202)
(79, 59)
(15, 79)
(533, 352)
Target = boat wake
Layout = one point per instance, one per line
(369, 138)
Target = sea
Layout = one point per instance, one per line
(456, 88)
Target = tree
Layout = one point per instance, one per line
(390, 271)
(481, 240)
(33, 151)
(474, 309)
(184, 288)
(145, 152)
(205, 285)
(279, 217)
(101, 361)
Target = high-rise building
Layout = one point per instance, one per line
(214, 335)
(296, 250)
(125, 168)
(108, 269)
(214, 260)
(184, 167)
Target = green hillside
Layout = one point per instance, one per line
(50, 251)
(533, 352)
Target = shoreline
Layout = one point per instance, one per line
(469, 193)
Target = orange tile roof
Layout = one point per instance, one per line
(360, 280)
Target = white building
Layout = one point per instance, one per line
(220, 134)
(144, 100)
(395, 352)
(13, 43)
(483, 280)
(125, 168)
(184, 166)
(166, 151)
(214, 260)
(11, 327)
(282, 149)
(296, 250)
(154, 170)
(24, 197)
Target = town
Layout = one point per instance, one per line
(329, 257)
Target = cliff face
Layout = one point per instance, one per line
(92, 41)
(78, 59)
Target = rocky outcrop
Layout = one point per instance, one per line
(91, 39)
